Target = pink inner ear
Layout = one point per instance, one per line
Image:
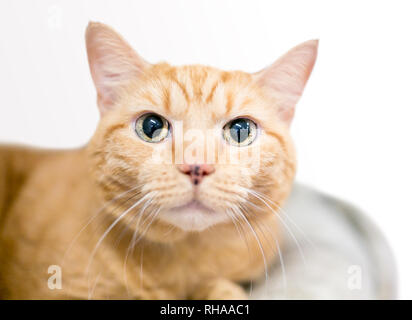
(287, 77)
(113, 63)
(286, 114)
(105, 100)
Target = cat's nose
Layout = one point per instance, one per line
(196, 171)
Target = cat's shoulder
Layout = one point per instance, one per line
(19, 163)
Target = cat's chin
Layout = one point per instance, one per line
(193, 216)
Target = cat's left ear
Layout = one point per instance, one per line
(113, 63)
(287, 77)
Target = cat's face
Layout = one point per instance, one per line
(195, 145)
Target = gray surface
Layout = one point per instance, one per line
(344, 255)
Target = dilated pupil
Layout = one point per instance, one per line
(240, 130)
(152, 126)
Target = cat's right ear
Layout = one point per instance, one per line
(112, 61)
(287, 77)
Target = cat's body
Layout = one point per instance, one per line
(49, 205)
(121, 225)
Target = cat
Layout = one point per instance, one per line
(127, 216)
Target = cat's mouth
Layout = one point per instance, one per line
(193, 205)
(193, 216)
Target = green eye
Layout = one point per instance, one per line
(152, 128)
(240, 132)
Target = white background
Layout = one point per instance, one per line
(353, 126)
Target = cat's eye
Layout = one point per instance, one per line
(240, 132)
(151, 127)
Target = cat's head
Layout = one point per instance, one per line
(192, 146)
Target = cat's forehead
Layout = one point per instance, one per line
(198, 92)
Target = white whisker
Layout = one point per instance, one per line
(95, 216)
(242, 235)
(275, 250)
(257, 196)
(133, 242)
(111, 227)
(257, 240)
(129, 248)
(306, 238)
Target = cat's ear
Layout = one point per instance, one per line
(287, 77)
(113, 63)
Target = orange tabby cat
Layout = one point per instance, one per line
(137, 213)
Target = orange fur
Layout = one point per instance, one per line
(51, 201)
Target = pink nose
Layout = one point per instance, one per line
(196, 171)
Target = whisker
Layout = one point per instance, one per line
(95, 216)
(309, 241)
(138, 214)
(280, 254)
(274, 238)
(247, 245)
(91, 293)
(168, 232)
(282, 264)
(239, 228)
(257, 240)
(245, 212)
(133, 242)
(111, 227)
(253, 193)
(154, 216)
(242, 235)
(306, 238)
